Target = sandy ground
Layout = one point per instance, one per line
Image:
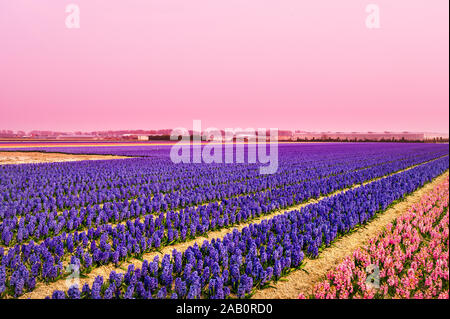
(316, 269)
(38, 157)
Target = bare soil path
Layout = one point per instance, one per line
(38, 157)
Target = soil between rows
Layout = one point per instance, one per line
(40, 157)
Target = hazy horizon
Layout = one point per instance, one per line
(222, 129)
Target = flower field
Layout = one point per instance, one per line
(92, 214)
(410, 257)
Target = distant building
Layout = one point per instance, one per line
(284, 138)
(148, 137)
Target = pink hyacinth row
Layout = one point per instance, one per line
(409, 259)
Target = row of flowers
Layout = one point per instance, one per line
(409, 259)
(45, 187)
(29, 189)
(233, 201)
(249, 259)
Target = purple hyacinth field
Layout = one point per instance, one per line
(223, 158)
(144, 227)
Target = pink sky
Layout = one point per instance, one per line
(310, 65)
